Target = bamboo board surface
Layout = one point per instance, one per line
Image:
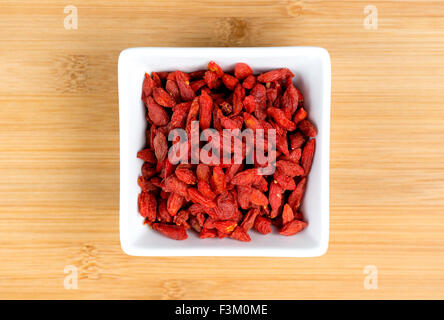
(59, 142)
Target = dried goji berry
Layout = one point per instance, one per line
(225, 226)
(206, 109)
(246, 177)
(145, 184)
(180, 114)
(259, 93)
(307, 128)
(175, 203)
(226, 207)
(218, 180)
(186, 175)
(293, 227)
(147, 205)
(148, 171)
(197, 197)
(258, 198)
(186, 92)
(275, 195)
(272, 75)
(147, 86)
(242, 70)
(171, 231)
(294, 156)
(160, 146)
(172, 88)
(249, 82)
(289, 168)
(307, 155)
(205, 189)
(290, 99)
(296, 140)
(156, 78)
(156, 113)
(229, 81)
(210, 79)
(300, 115)
(287, 214)
(181, 218)
(173, 184)
(147, 155)
(249, 104)
(162, 211)
(163, 98)
(238, 97)
(195, 224)
(243, 196)
(286, 182)
(295, 198)
(203, 172)
(208, 233)
(240, 234)
(262, 225)
(214, 67)
(279, 116)
(249, 219)
(196, 85)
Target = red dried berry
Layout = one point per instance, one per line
(295, 198)
(214, 67)
(147, 205)
(242, 70)
(249, 82)
(197, 197)
(171, 231)
(293, 227)
(163, 98)
(206, 109)
(272, 75)
(147, 155)
(186, 175)
(307, 155)
(208, 233)
(307, 128)
(240, 235)
(289, 168)
(157, 113)
(279, 116)
(258, 198)
(203, 172)
(287, 214)
(229, 81)
(175, 203)
(249, 219)
(225, 226)
(262, 225)
(186, 92)
(160, 146)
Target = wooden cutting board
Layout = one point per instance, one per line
(59, 142)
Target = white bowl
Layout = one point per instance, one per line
(312, 70)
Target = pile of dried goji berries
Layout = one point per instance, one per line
(224, 200)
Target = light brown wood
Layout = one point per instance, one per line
(59, 159)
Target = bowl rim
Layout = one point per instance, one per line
(325, 91)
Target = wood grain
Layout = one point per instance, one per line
(59, 159)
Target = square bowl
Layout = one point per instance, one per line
(312, 70)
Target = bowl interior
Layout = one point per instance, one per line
(311, 67)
